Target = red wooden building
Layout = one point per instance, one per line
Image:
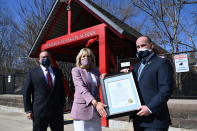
(74, 24)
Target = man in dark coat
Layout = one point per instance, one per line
(154, 79)
(44, 95)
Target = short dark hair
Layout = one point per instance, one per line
(45, 51)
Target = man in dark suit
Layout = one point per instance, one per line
(44, 95)
(154, 79)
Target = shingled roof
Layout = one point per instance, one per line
(82, 11)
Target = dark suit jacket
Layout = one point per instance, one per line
(155, 87)
(41, 100)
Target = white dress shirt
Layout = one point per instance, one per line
(44, 69)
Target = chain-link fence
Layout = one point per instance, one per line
(11, 83)
(185, 80)
(185, 74)
(66, 69)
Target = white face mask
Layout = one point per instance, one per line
(143, 49)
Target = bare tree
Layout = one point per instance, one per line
(186, 2)
(7, 43)
(171, 26)
(123, 10)
(32, 15)
(191, 35)
(168, 25)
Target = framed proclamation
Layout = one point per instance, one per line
(120, 94)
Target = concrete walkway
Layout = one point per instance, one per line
(14, 119)
(17, 121)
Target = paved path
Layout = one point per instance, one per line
(10, 120)
(14, 121)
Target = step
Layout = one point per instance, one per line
(11, 100)
(183, 113)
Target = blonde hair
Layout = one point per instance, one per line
(89, 53)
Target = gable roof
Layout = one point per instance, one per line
(56, 22)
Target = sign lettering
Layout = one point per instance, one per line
(71, 39)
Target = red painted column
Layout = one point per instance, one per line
(69, 16)
(103, 63)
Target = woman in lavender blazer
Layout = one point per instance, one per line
(86, 109)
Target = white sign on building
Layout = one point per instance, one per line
(125, 64)
(181, 63)
(9, 78)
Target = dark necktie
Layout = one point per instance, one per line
(50, 84)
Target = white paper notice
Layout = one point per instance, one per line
(120, 93)
(181, 63)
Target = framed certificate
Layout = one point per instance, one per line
(120, 94)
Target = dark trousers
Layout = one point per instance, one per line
(137, 128)
(56, 123)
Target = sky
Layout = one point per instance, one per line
(12, 5)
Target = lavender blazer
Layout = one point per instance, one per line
(82, 108)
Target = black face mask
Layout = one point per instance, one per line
(46, 62)
(143, 54)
